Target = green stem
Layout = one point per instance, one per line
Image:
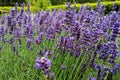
(80, 64)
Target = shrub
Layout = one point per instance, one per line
(90, 1)
(11, 2)
(108, 6)
(43, 4)
(6, 9)
(58, 2)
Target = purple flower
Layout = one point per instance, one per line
(43, 64)
(99, 1)
(41, 53)
(23, 4)
(68, 5)
(0, 47)
(38, 40)
(90, 78)
(29, 41)
(37, 66)
(37, 60)
(17, 32)
(51, 75)
(115, 68)
(12, 12)
(118, 54)
(4, 18)
(9, 22)
(11, 40)
(15, 49)
(63, 67)
(48, 64)
(114, 6)
(54, 57)
(31, 48)
(3, 39)
(93, 79)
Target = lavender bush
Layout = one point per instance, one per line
(60, 45)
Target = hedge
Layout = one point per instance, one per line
(7, 9)
(108, 6)
(58, 2)
(11, 2)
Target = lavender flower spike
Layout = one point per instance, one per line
(0, 47)
(43, 64)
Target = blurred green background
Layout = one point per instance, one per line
(6, 5)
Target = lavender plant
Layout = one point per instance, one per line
(69, 45)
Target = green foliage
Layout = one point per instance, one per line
(21, 67)
(11, 2)
(43, 4)
(108, 6)
(6, 9)
(90, 1)
(40, 3)
(57, 2)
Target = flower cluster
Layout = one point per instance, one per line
(44, 64)
(90, 36)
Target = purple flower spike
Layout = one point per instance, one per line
(12, 12)
(114, 6)
(43, 64)
(51, 75)
(0, 47)
(23, 5)
(116, 69)
(16, 5)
